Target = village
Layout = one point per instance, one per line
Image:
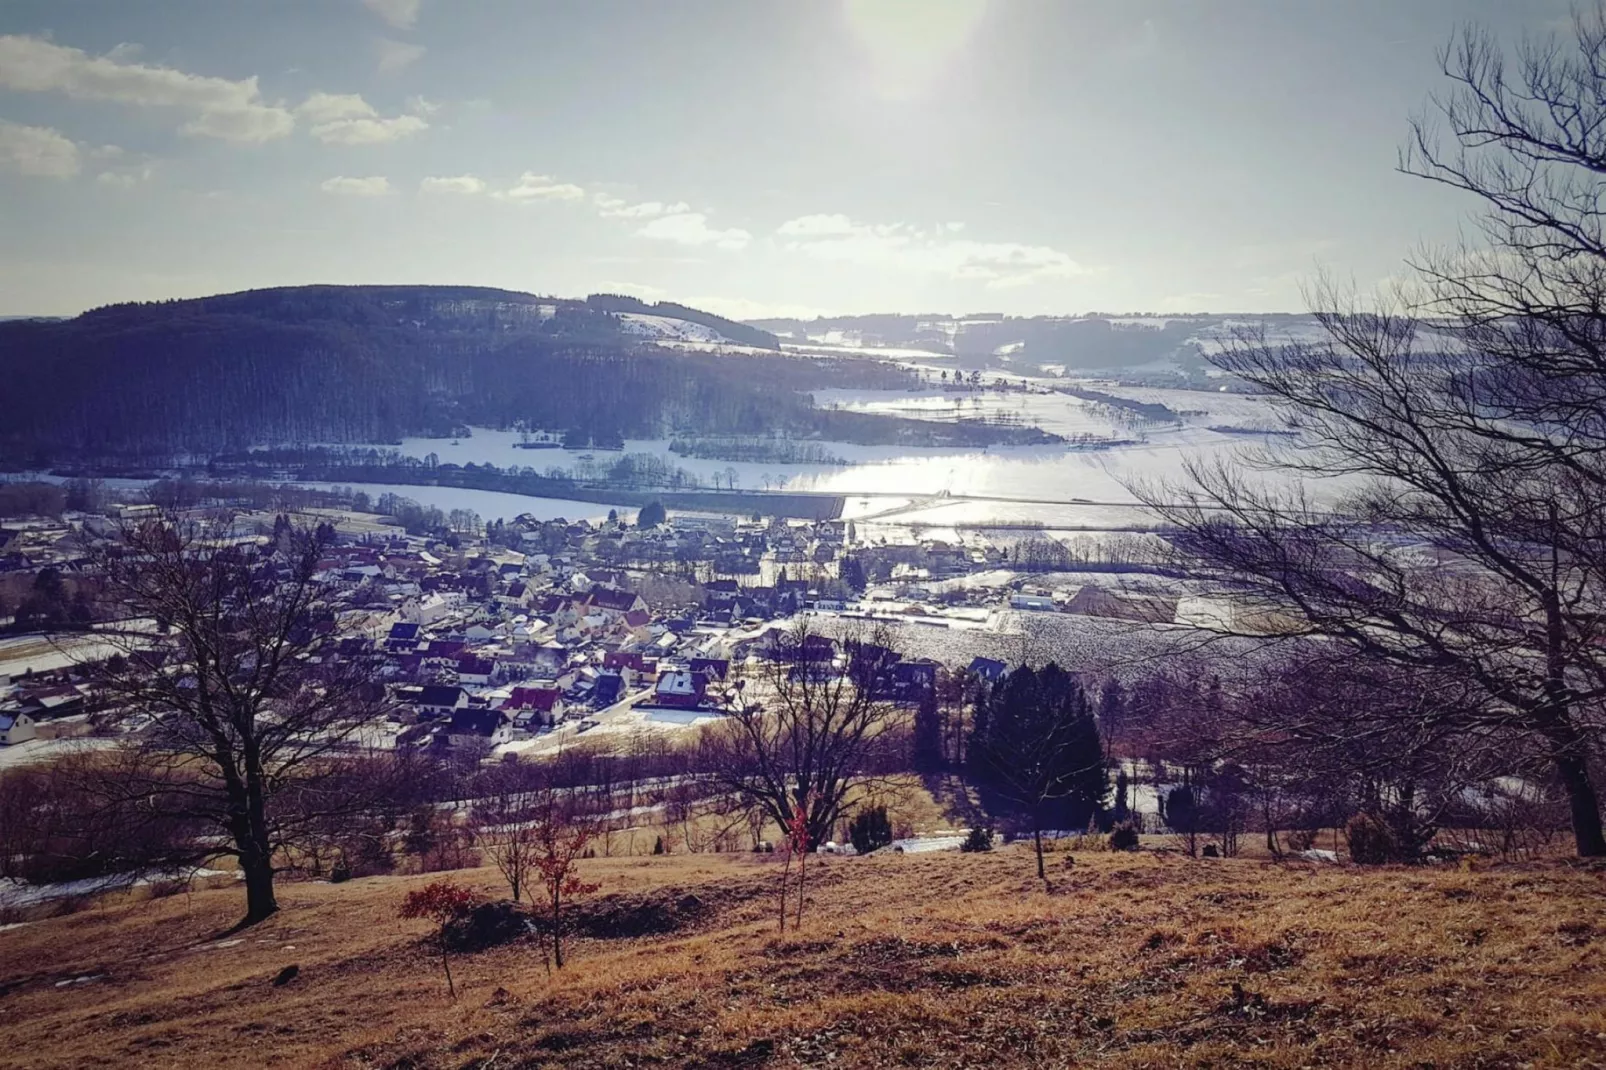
(519, 637)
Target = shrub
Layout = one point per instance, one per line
(979, 839)
(1124, 837)
(870, 830)
(442, 903)
(1371, 841)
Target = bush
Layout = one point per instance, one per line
(1124, 837)
(870, 830)
(1371, 841)
(979, 839)
(658, 846)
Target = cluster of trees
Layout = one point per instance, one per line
(48, 499)
(755, 449)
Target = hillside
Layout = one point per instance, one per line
(376, 363)
(921, 960)
(1089, 344)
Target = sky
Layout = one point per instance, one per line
(753, 157)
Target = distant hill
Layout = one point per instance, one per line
(377, 363)
(1091, 343)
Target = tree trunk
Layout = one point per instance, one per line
(1571, 757)
(260, 903)
(254, 840)
(1584, 803)
(1037, 839)
(446, 964)
(802, 876)
(557, 930)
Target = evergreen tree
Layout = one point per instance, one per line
(870, 830)
(927, 754)
(1035, 752)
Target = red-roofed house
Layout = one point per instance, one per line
(533, 706)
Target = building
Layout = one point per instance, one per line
(682, 688)
(15, 727)
(533, 707)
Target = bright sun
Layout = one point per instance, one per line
(910, 41)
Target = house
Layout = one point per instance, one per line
(476, 722)
(402, 637)
(682, 688)
(440, 700)
(475, 670)
(608, 689)
(533, 706)
(15, 727)
(988, 669)
(53, 702)
(1032, 602)
(612, 603)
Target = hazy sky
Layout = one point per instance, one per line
(755, 157)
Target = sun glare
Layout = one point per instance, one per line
(909, 42)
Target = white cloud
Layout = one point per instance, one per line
(375, 186)
(816, 226)
(396, 55)
(222, 108)
(935, 250)
(457, 184)
(36, 151)
(126, 177)
(691, 228)
(348, 119)
(401, 14)
(332, 107)
(615, 207)
(534, 187)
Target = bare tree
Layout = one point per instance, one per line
(243, 725)
(808, 729)
(560, 837)
(1473, 417)
(505, 818)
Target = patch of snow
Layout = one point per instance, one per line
(15, 893)
(646, 326)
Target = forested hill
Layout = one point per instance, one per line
(376, 363)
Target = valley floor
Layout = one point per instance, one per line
(1130, 960)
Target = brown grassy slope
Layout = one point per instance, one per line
(946, 960)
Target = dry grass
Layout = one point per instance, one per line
(946, 960)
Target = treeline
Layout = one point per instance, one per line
(375, 364)
(755, 449)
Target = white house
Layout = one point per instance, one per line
(15, 728)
